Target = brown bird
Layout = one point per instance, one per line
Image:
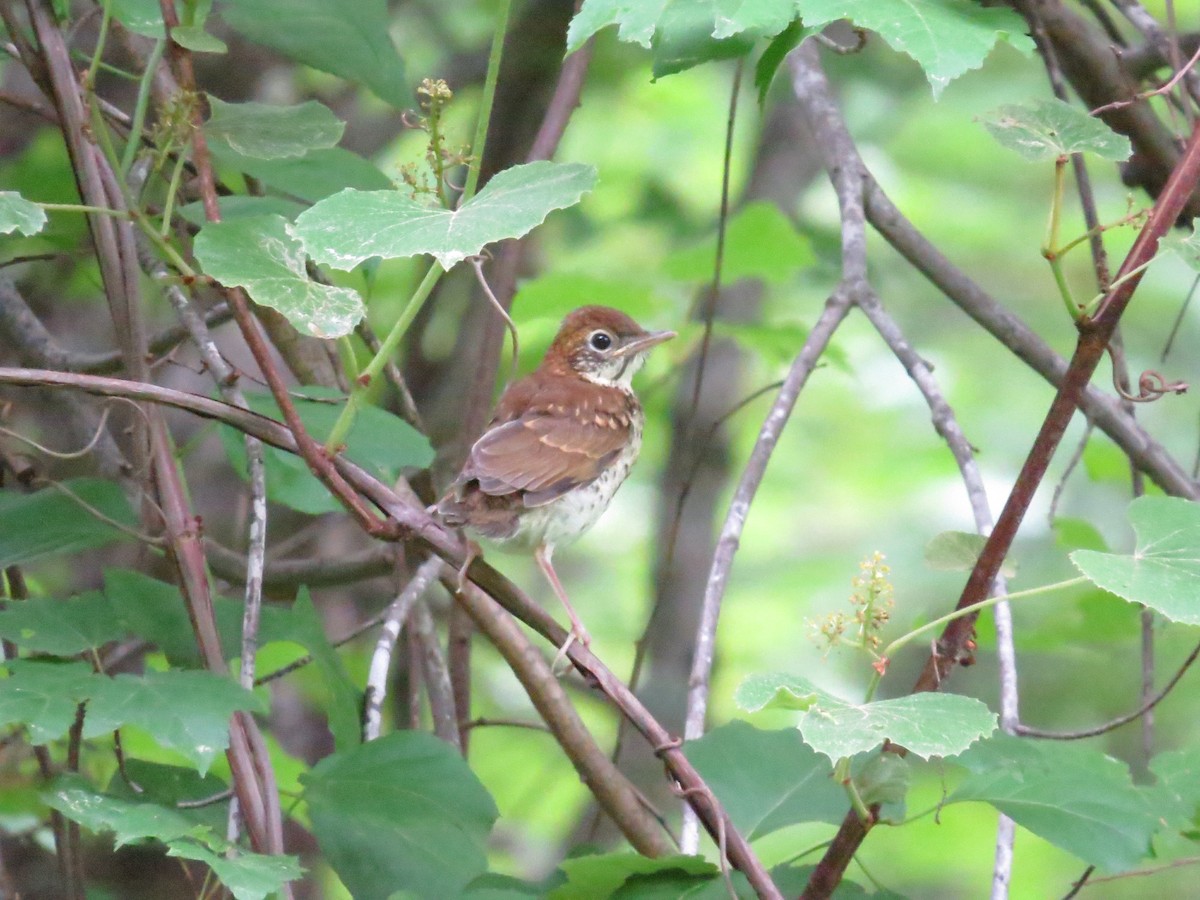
(561, 442)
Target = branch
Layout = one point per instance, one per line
(413, 522)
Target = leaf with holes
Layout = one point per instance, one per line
(263, 131)
(1163, 572)
(258, 254)
(19, 214)
(352, 226)
(1048, 129)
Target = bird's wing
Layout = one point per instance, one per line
(543, 455)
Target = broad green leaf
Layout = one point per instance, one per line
(1048, 129)
(352, 226)
(61, 627)
(347, 38)
(602, 874)
(263, 131)
(130, 822)
(249, 876)
(777, 690)
(142, 17)
(185, 711)
(311, 177)
(155, 611)
(19, 214)
(957, 551)
(772, 58)
(43, 696)
(1186, 248)
(925, 724)
(788, 782)
(945, 37)
(760, 242)
(381, 442)
(883, 779)
(636, 20)
(1163, 572)
(1073, 796)
(259, 255)
(1077, 534)
(1177, 775)
(685, 37)
(493, 886)
(302, 625)
(238, 206)
(196, 39)
(55, 521)
(400, 813)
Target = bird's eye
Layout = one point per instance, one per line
(600, 340)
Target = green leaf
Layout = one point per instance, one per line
(1072, 796)
(130, 822)
(636, 20)
(43, 696)
(379, 441)
(238, 206)
(249, 876)
(760, 242)
(53, 521)
(945, 37)
(260, 255)
(925, 724)
(1048, 129)
(196, 39)
(19, 214)
(1177, 775)
(61, 627)
(347, 38)
(185, 711)
(1163, 570)
(263, 131)
(777, 690)
(400, 813)
(1186, 248)
(957, 551)
(311, 177)
(142, 17)
(1077, 534)
(302, 625)
(601, 874)
(685, 37)
(788, 782)
(155, 611)
(884, 779)
(772, 58)
(348, 228)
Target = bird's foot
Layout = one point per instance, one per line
(474, 551)
(577, 633)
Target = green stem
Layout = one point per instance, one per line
(890, 650)
(1050, 250)
(485, 110)
(80, 208)
(341, 428)
(172, 193)
(857, 801)
(90, 79)
(139, 110)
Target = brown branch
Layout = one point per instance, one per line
(414, 522)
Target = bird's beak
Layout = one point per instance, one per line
(645, 342)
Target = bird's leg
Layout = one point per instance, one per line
(474, 551)
(578, 632)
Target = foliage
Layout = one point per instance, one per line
(138, 699)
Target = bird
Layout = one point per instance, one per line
(561, 441)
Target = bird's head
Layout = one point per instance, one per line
(602, 345)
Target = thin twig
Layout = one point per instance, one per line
(381, 660)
